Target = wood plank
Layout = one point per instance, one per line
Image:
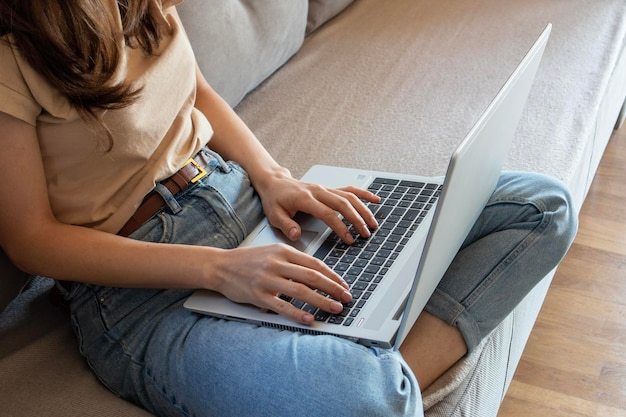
(535, 401)
(575, 363)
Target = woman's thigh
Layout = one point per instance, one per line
(147, 348)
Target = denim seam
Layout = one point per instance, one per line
(232, 214)
(528, 241)
(150, 379)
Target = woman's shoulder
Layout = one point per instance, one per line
(16, 97)
(167, 3)
(24, 93)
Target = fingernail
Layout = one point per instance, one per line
(373, 221)
(348, 238)
(307, 319)
(336, 306)
(293, 233)
(346, 297)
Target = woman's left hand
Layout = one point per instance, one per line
(283, 197)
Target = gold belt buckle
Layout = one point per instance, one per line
(202, 173)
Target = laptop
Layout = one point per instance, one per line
(423, 222)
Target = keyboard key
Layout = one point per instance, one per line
(398, 211)
(330, 261)
(309, 308)
(389, 181)
(366, 255)
(354, 251)
(378, 261)
(323, 250)
(412, 184)
(382, 212)
(356, 294)
(372, 269)
(360, 263)
(345, 312)
(354, 271)
(321, 315)
(366, 277)
(359, 286)
(411, 215)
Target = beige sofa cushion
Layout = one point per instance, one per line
(322, 10)
(240, 43)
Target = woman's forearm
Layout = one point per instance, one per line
(233, 139)
(80, 254)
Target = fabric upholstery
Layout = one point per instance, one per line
(239, 43)
(321, 11)
(392, 85)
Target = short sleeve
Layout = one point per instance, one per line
(16, 98)
(168, 3)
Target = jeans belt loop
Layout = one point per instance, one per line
(192, 172)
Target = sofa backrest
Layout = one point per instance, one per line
(240, 43)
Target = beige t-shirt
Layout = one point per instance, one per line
(152, 138)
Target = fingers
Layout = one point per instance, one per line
(356, 212)
(306, 280)
(305, 296)
(348, 202)
(284, 221)
(325, 204)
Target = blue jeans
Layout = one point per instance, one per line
(145, 347)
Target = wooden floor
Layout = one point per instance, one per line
(575, 361)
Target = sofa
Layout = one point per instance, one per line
(392, 85)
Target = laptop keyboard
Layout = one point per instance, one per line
(364, 264)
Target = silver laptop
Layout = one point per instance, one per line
(423, 222)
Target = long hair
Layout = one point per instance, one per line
(75, 45)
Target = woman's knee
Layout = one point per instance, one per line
(548, 195)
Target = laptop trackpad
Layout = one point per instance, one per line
(270, 235)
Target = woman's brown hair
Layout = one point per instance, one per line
(74, 44)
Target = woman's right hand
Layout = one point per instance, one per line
(258, 275)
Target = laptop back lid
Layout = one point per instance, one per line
(472, 175)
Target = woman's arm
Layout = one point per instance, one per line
(37, 243)
(281, 194)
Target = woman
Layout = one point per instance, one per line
(118, 145)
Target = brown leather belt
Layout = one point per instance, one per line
(189, 174)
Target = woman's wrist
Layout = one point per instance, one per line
(265, 178)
